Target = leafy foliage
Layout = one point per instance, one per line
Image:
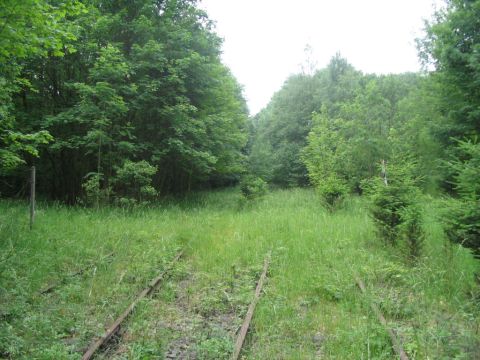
(281, 129)
(133, 182)
(16, 144)
(145, 83)
(322, 157)
(95, 194)
(280, 133)
(452, 44)
(253, 187)
(289, 145)
(30, 28)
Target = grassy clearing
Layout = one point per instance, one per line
(311, 306)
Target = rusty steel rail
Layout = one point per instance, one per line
(248, 318)
(397, 344)
(115, 327)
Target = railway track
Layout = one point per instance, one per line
(396, 341)
(248, 318)
(101, 342)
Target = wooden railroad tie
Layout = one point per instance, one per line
(116, 325)
(246, 323)
(397, 344)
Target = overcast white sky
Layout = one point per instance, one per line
(264, 40)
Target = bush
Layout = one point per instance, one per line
(395, 210)
(324, 160)
(253, 187)
(463, 219)
(332, 190)
(411, 230)
(94, 193)
(133, 183)
(388, 203)
(462, 224)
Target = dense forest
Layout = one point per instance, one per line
(124, 98)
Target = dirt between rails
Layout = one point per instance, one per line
(196, 316)
(209, 317)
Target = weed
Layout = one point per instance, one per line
(215, 348)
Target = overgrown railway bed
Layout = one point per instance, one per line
(115, 327)
(113, 331)
(60, 289)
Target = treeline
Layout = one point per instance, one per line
(391, 136)
(353, 112)
(116, 100)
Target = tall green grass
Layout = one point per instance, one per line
(311, 306)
